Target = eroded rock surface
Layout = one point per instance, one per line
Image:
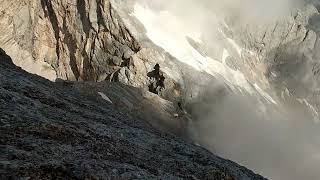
(80, 40)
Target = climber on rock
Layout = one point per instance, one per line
(160, 83)
(157, 80)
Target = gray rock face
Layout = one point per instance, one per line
(288, 41)
(80, 40)
(286, 53)
(66, 130)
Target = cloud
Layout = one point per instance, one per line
(280, 143)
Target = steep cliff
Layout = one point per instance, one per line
(80, 40)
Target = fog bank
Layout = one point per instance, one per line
(281, 144)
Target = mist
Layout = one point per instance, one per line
(200, 13)
(279, 141)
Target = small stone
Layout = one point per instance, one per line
(128, 54)
(122, 76)
(118, 53)
(116, 61)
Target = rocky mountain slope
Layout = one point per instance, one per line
(203, 67)
(59, 130)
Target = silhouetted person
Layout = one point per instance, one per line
(157, 69)
(161, 82)
(157, 78)
(155, 73)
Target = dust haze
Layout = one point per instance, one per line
(280, 142)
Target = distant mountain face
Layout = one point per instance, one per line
(252, 61)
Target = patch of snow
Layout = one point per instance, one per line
(169, 32)
(235, 46)
(105, 97)
(225, 25)
(250, 52)
(232, 43)
(233, 78)
(265, 94)
(285, 94)
(274, 74)
(313, 109)
(195, 36)
(225, 55)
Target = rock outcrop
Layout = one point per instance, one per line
(61, 130)
(80, 40)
